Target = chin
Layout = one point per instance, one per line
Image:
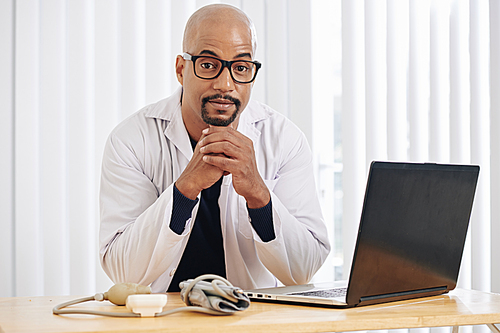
(217, 121)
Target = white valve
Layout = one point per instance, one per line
(147, 305)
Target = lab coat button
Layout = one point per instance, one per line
(172, 272)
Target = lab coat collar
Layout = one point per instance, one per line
(169, 110)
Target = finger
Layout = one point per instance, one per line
(217, 129)
(199, 143)
(230, 129)
(222, 147)
(218, 135)
(220, 161)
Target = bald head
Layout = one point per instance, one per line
(220, 15)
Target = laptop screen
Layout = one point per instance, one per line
(412, 230)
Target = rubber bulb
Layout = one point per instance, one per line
(119, 292)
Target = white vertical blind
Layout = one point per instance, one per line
(81, 172)
(324, 52)
(159, 53)
(7, 283)
(277, 66)
(414, 80)
(460, 106)
(495, 141)
(418, 90)
(480, 144)
(52, 127)
(439, 109)
(132, 51)
(397, 53)
(376, 79)
(28, 241)
(106, 114)
(353, 122)
(459, 82)
(299, 65)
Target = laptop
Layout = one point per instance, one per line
(410, 240)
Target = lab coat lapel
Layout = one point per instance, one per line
(169, 110)
(245, 126)
(177, 134)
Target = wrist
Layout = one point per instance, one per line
(187, 189)
(258, 201)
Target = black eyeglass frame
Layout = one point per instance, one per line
(225, 64)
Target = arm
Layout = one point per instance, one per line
(261, 220)
(181, 211)
(136, 241)
(301, 245)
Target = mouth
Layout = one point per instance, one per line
(221, 104)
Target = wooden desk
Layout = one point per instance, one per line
(459, 307)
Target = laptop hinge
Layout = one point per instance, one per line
(402, 293)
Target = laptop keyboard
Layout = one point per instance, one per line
(327, 293)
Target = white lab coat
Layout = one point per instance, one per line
(148, 151)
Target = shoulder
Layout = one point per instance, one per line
(270, 122)
(148, 122)
(276, 136)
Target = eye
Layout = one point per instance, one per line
(207, 64)
(241, 68)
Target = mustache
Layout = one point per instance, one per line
(236, 101)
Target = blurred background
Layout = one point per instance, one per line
(400, 80)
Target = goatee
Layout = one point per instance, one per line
(216, 121)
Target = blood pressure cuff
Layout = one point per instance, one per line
(227, 299)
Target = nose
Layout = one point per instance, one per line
(224, 82)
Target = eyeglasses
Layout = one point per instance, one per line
(208, 68)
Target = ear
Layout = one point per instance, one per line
(179, 68)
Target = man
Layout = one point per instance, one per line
(206, 181)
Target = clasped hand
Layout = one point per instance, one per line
(221, 151)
